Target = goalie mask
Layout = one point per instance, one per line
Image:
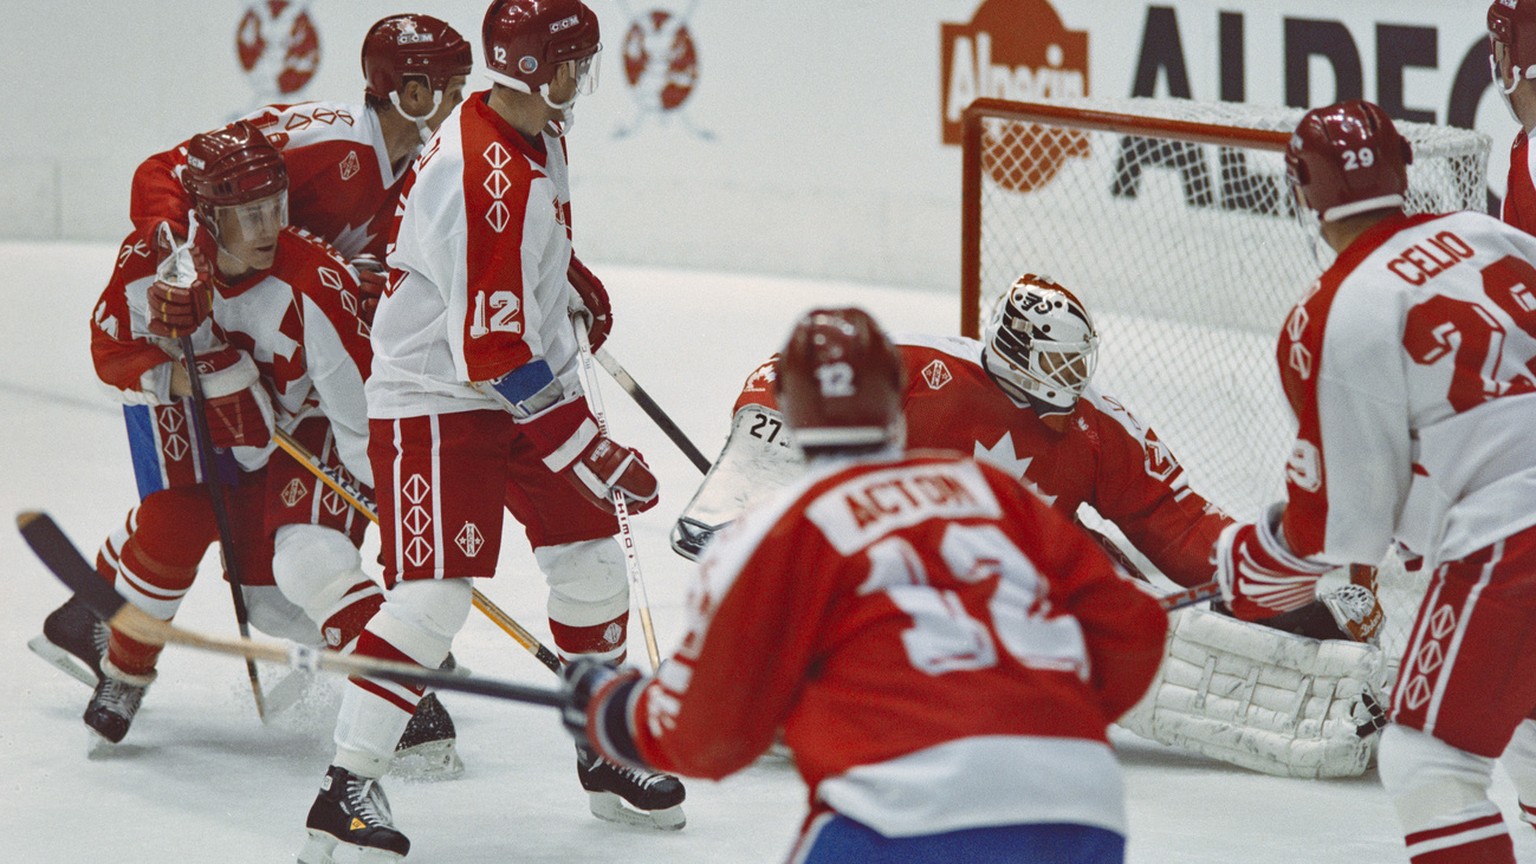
(1512, 32)
(1040, 345)
(526, 42)
(401, 47)
(1348, 159)
(840, 383)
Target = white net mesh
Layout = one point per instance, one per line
(1189, 255)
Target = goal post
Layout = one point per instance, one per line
(1174, 223)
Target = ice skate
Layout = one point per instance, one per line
(351, 816)
(427, 749)
(630, 796)
(115, 702)
(73, 640)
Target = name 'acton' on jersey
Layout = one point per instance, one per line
(869, 506)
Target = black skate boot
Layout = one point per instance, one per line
(74, 640)
(655, 800)
(427, 749)
(115, 701)
(351, 811)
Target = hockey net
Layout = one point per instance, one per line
(1172, 220)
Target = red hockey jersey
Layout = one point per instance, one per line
(941, 649)
(1409, 367)
(1519, 207)
(1103, 457)
(298, 322)
(341, 185)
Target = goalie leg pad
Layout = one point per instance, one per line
(1441, 796)
(1265, 700)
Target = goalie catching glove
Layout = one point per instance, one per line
(1259, 576)
(566, 435)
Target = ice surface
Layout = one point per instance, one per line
(200, 779)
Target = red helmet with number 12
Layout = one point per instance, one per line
(840, 383)
(525, 42)
(1347, 159)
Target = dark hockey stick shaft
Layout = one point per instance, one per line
(355, 497)
(220, 512)
(652, 410)
(61, 556)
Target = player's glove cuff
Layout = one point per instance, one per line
(596, 712)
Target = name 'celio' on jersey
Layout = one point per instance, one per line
(1104, 457)
(1411, 369)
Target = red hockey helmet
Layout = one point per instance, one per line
(525, 41)
(401, 46)
(1347, 159)
(1512, 24)
(233, 165)
(840, 382)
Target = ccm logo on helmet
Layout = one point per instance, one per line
(413, 38)
(563, 24)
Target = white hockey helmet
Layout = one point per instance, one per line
(1040, 344)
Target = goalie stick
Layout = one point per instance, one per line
(61, 556)
(355, 497)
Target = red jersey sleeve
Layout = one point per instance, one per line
(1143, 489)
(121, 358)
(157, 195)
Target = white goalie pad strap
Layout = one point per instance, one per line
(757, 460)
(1263, 699)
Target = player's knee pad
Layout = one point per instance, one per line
(420, 617)
(314, 566)
(273, 614)
(1431, 783)
(587, 582)
(1519, 761)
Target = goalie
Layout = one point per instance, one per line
(1272, 698)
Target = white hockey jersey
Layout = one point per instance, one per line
(1411, 369)
(477, 283)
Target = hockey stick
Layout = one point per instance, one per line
(64, 559)
(215, 489)
(1190, 596)
(652, 410)
(620, 509)
(354, 496)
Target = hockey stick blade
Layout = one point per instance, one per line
(56, 551)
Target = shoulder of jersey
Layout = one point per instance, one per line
(307, 122)
(306, 249)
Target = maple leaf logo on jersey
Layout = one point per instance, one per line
(762, 378)
(937, 374)
(1005, 456)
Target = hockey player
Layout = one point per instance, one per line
(271, 312)
(1408, 368)
(1022, 398)
(346, 162)
(475, 407)
(1512, 34)
(924, 595)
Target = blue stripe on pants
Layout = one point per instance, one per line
(841, 840)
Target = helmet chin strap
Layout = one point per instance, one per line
(421, 121)
(561, 127)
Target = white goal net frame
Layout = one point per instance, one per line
(1173, 221)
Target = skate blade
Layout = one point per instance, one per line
(62, 660)
(322, 848)
(610, 808)
(432, 762)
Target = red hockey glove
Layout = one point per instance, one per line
(567, 436)
(371, 278)
(238, 408)
(1259, 577)
(181, 297)
(594, 300)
